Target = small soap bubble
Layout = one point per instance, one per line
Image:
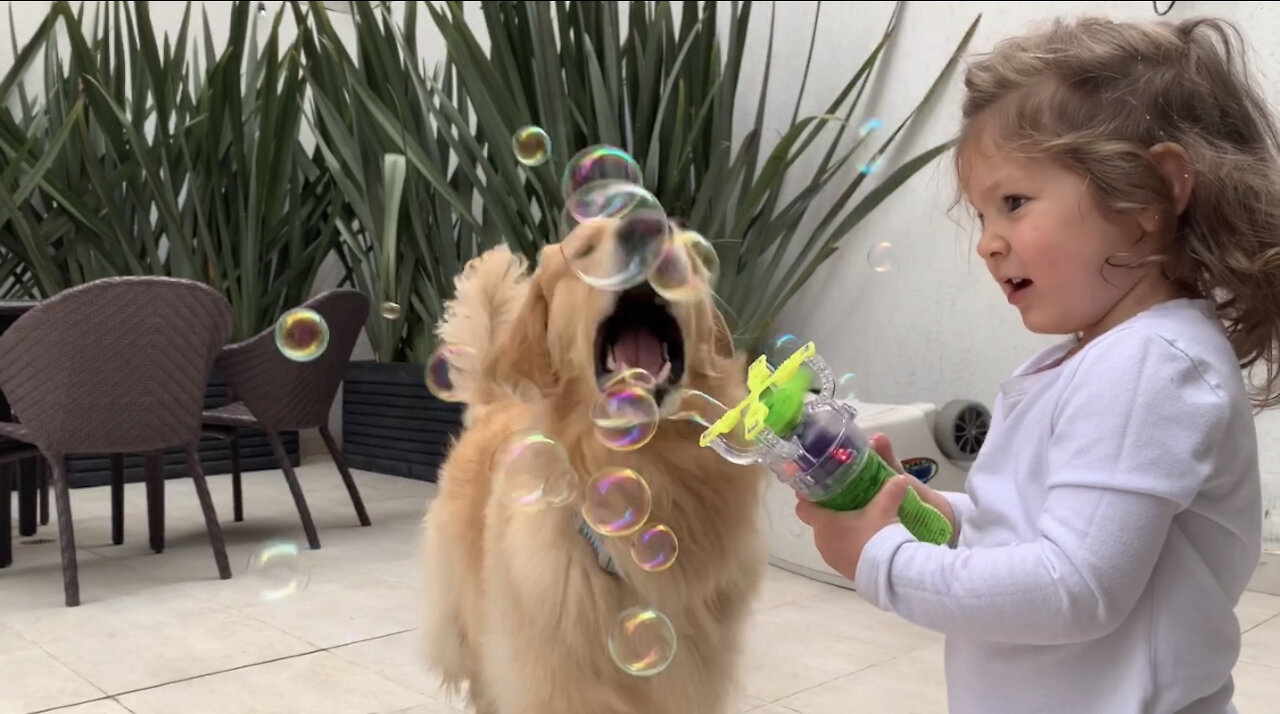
(599, 163)
(880, 257)
(674, 277)
(617, 502)
(532, 145)
(629, 377)
(870, 167)
(703, 251)
(625, 417)
(642, 642)
(869, 126)
(654, 548)
(619, 254)
(390, 310)
(278, 570)
(782, 348)
(844, 391)
(301, 334)
(533, 472)
(442, 371)
(695, 406)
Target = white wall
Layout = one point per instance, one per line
(933, 327)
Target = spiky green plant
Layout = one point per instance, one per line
(412, 220)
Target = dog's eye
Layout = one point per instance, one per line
(583, 249)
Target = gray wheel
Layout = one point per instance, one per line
(961, 428)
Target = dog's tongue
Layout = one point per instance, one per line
(639, 349)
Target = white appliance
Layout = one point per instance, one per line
(934, 445)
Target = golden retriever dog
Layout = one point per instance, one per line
(519, 602)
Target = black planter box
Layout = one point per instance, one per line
(391, 424)
(215, 454)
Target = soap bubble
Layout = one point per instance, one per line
(620, 254)
(533, 472)
(609, 199)
(630, 377)
(782, 348)
(599, 163)
(279, 570)
(625, 417)
(617, 502)
(302, 334)
(703, 251)
(844, 391)
(642, 642)
(532, 145)
(880, 257)
(655, 548)
(870, 126)
(442, 371)
(674, 277)
(390, 310)
(695, 406)
(869, 167)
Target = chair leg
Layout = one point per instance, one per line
(155, 499)
(295, 488)
(44, 491)
(66, 532)
(341, 463)
(117, 498)
(27, 473)
(6, 515)
(237, 497)
(210, 515)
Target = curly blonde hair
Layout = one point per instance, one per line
(1095, 95)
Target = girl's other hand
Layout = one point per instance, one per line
(881, 444)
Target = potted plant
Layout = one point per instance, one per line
(409, 224)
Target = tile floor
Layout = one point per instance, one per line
(159, 634)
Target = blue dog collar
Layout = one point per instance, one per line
(602, 556)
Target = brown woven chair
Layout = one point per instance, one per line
(115, 366)
(11, 452)
(275, 393)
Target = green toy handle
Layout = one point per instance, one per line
(923, 521)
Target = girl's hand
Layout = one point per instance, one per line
(841, 535)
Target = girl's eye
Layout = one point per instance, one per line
(1013, 203)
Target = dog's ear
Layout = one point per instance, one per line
(524, 353)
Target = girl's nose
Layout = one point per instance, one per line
(991, 245)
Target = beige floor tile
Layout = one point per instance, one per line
(796, 646)
(911, 684)
(340, 606)
(782, 587)
(31, 679)
(1261, 645)
(773, 709)
(1256, 608)
(154, 636)
(101, 706)
(398, 658)
(431, 708)
(1257, 687)
(319, 683)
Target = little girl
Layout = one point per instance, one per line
(1127, 181)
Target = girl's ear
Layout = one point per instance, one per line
(1174, 164)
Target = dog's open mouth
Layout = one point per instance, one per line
(640, 334)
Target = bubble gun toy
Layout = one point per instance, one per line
(813, 446)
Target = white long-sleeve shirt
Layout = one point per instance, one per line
(1112, 520)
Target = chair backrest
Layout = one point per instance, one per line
(115, 365)
(284, 394)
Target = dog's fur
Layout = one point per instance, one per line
(518, 609)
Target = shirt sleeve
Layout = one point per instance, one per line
(1133, 441)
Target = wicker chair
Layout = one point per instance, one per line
(275, 393)
(110, 367)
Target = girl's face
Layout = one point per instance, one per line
(1050, 248)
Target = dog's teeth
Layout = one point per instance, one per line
(610, 363)
(665, 372)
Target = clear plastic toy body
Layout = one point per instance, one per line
(813, 445)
